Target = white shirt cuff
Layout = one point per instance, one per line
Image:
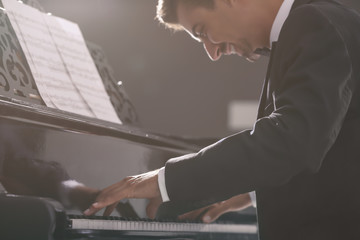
(162, 186)
(253, 198)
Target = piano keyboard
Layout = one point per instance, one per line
(121, 225)
(52, 222)
(118, 226)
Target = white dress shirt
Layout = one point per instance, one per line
(278, 23)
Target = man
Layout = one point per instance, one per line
(302, 155)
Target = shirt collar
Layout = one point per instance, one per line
(281, 16)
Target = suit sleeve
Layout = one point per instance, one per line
(312, 95)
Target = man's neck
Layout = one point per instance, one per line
(271, 10)
(279, 20)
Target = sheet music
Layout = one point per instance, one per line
(40, 85)
(72, 47)
(60, 62)
(47, 67)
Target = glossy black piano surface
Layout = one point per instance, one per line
(94, 152)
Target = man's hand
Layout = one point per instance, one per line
(141, 186)
(81, 196)
(211, 213)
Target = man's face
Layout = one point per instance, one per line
(227, 29)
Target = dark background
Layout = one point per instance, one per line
(174, 86)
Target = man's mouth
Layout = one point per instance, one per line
(232, 49)
(229, 49)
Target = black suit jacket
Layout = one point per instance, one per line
(303, 154)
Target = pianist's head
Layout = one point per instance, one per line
(224, 27)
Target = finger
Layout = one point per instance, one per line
(110, 209)
(94, 208)
(107, 198)
(152, 207)
(239, 202)
(212, 214)
(193, 215)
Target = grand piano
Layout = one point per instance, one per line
(92, 151)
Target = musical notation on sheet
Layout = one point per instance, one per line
(80, 66)
(61, 64)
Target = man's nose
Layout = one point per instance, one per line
(213, 50)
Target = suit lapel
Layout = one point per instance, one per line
(265, 89)
(264, 92)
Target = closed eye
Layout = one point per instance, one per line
(198, 33)
(201, 33)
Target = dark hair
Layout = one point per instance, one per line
(166, 11)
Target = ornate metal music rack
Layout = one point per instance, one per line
(17, 81)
